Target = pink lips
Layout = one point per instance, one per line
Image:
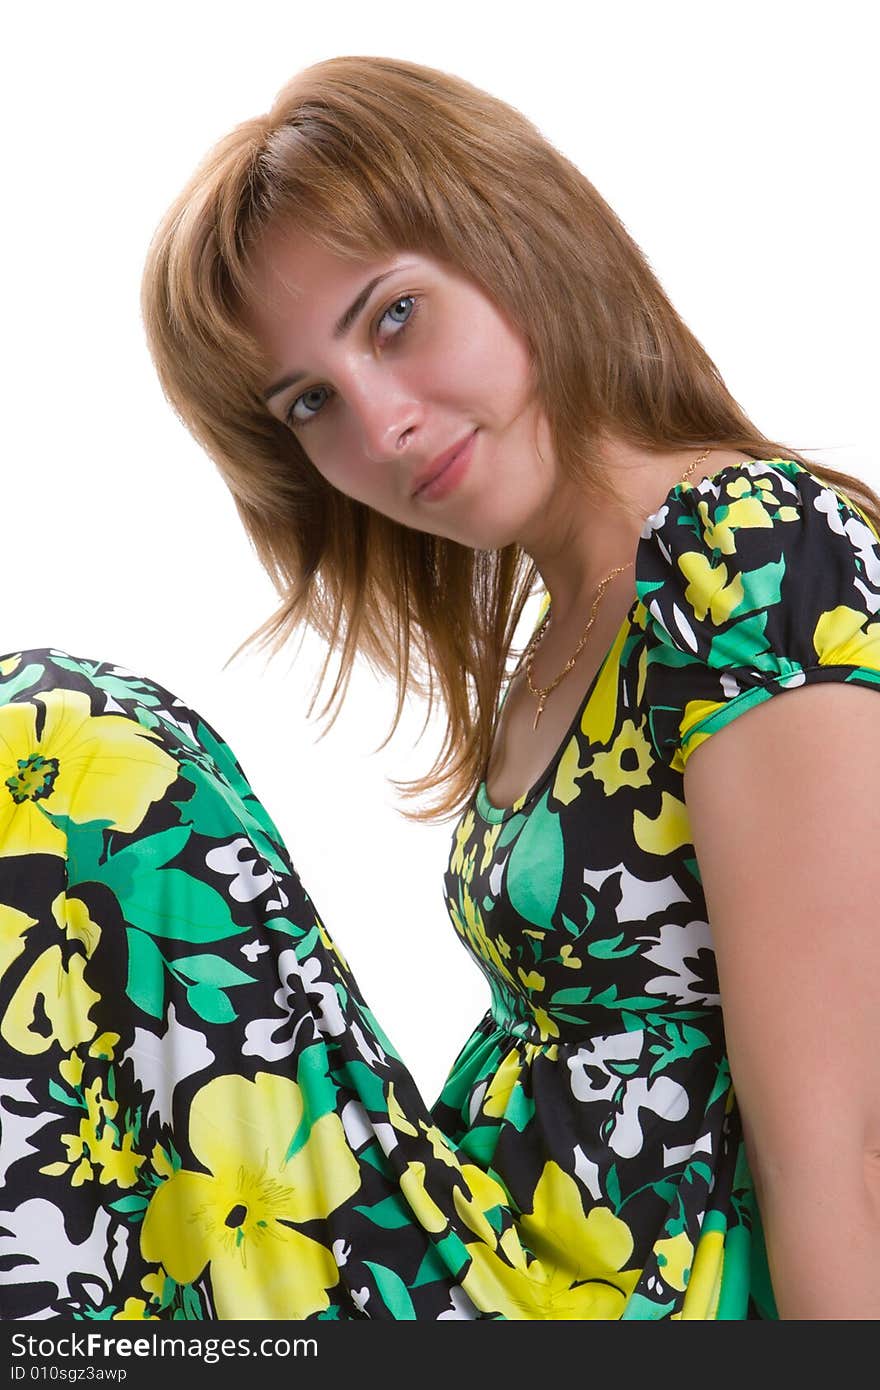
(445, 472)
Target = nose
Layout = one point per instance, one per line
(389, 418)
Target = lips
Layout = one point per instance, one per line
(435, 470)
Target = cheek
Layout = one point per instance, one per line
(343, 465)
(493, 376)
(338, 464)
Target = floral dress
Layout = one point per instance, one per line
(200, 1117)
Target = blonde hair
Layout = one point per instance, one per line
(372, 156)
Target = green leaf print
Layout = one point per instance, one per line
(283, 924)
(85, 845)
(391, 1214)
(131, 1207)
(218, 812)
(63, 1097)
(431, 1268)
(606, 948)
(393, 1291)
(520, 1108)
(510, 830)
(152, 853)
(146, 973)
(641, 1309)
(318, 1091)
(213, 809)
(306, 946)
(210, 1004)
(682, 1041)
(192, 1304)
(211, 970)
(575, 995)
(762, 589)
(612, 1187)
(534, 873)
(122, 689)
(175, 905)
(743, 643)
(21, 680)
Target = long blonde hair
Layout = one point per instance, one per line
(373, 156)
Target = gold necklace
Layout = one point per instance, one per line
(541, 692)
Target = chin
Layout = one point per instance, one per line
(493, 533)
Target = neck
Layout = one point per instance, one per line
(579, 540)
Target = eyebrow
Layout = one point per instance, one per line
(340, 328)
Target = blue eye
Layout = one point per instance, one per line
(299, 422)
(404, 299)
(294, 419)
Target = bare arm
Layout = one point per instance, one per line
(784, 808)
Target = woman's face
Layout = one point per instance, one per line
(407, 388)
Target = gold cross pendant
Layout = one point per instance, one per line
(539, 712)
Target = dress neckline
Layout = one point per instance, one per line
(487, 809)
(492, 813)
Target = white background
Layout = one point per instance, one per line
(737, 143)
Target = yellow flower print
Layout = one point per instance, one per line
(99, 1149)
(568, 774)
(578, 1270)
(396, 1115)
(13, 925)
(531, 979)
(668, 831)
(472, 930)
(10, 664)
(546, 1027)
(66, 1001)
(490, 839)
(626, 763)
(642, 676)
(154, 1284)
(487, 1193)
(566, 958)
(161, 1163)
(71, 1069)
(470, 863)
(600, 713)
(329, 943)
(501, 1086)
(750, 511)
(88, 767)
(675, 1257)
(695, 712)
(234, 1215)
(99, 1106)
(439, 1144)
(72, 917)
(65, 997)
(135, 1309)
(843, 637)
(115, 1162)
(462, 835)
(708, 589)
(412, 1184)
(704, 1285)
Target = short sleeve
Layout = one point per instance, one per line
(759, 579)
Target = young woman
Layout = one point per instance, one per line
(435, 371)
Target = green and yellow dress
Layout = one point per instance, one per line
(200, 1117)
